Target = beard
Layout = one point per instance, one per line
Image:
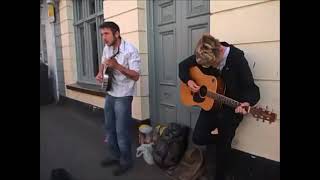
(112, 42)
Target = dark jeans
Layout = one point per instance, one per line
(118, 122)
(208, 121)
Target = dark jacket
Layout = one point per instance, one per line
(236, 75)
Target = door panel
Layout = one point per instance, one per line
(178, 25)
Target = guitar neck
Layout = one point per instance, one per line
(223, 99)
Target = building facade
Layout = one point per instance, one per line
(165, 32)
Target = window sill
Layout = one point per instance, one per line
(87, 88)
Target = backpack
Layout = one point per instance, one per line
(170, 147)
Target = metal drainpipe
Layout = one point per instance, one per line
(52, 47)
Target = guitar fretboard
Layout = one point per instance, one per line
(223, 99)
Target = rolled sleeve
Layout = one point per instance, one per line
(135, 61)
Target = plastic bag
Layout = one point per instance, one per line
(146, 151)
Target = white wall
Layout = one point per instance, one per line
(254, 27)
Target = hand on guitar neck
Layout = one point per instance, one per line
(112, 63)
(243, 108)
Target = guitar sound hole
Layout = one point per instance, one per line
(203, 91)
(199, 96)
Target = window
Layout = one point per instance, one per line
(88, 15)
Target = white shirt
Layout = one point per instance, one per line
(129, 58)
(224, 59)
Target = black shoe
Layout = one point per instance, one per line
(120, 170)
(109, 162)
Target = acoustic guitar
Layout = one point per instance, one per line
(211, 95)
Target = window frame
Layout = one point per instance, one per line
(87, 62)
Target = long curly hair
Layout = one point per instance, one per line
(207, 51)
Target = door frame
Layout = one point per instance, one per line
(151, 63)
(152, 70)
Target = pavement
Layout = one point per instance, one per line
(72, 138)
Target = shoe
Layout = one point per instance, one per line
(109, 162)
(120, 170)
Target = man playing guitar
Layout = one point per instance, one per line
(216, 128)
(124, 61)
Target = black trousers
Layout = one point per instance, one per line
(220, 144)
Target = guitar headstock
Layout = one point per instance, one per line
(264, 114)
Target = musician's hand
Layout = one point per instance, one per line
(99, 77)
(112, 63)
(194, 87)
(240, 109)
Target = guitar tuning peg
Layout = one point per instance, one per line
(266, 107)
